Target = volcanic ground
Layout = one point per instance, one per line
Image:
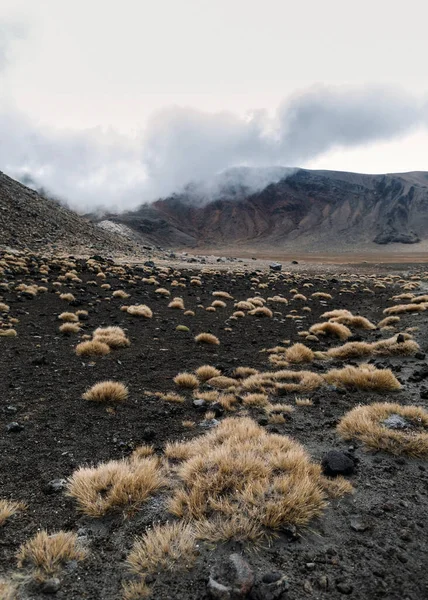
(368, 534)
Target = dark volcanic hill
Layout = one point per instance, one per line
(306, 211)
(30, 220)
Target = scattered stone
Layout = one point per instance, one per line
(294, 262)
(50, 586)
(55, 486)
(344, 587)
(14, 427)
(149, 263)
(275, 266)
(231, 580)
(217, 409)
(199, 403)
(400, 338)
(395, 421)
(337, 463)
(358, 525)
(148, 434)
(272, 577)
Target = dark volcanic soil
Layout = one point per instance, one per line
(372, 544)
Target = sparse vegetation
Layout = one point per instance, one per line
(207, 338)
(107, 391)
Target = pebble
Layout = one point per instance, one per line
(337, 463)
(344, 588)
(233, 580)
(55, 486)
(14, 427)
(50, 586)
(358, 525)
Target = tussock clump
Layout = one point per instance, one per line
(177, 303)
(186, 380)
(47, 554)
(92, 348)
(333, 314)
(140, 310)
(322, 295)
(207, 338)
(404, 308)
(8, 333)
(68, 317)
(278, 300)
(388, 321)
(8, 590)
(113, 336)
(238, 314)
(8, 508)
(170, 397)
(120, 294)
(221, 382)
(171, 546)
(67, 297)
(68, 328)
(189, 313)
(244, 305)
(115, 484)
(223, 295)
(219, 304)
(367, 423)
(388, 347)
(4, 308)
(210, 309)
(240, 470)
(107, 391)
(207, 372)
(331, 329)
(303, 402)
(299, 353)
(163, 292)
(299, 297)
(419, 299)
(243, 372)
(295, 381)
(255, 399)
(364, 377)
(356, 322)
(261, 311)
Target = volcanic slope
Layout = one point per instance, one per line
(305, 211)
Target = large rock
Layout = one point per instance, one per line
(337, 463)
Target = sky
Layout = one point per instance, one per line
(108, 103)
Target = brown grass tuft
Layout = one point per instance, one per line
(331, 329)
(115, 484)
(67, 328)
(120, 294)
(67, 297)
(404, 308)
(8, 508)
(364, 377)
(207, 372)
(47, 554)
(68, 317)
(299, 353)
(107, 391)
(366, 423)
(261, 311)
(8, 333)
(207, 338)
(140, 310)
(388, 321)
(356, 322)
(92, 348)
(113, 336)
(186, 380)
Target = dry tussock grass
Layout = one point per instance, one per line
(388, 347)
(255, 399)
(207, 338)
(4, 308)
(186, 380)
(8, 508)
(366, 424)
(47, 554)
(177, 303)
(67, 297)
(206, 372)
(68, 328)
(120, 294)
(322, 295)
(399, 309)
(92, 348)
(8, 333)
(261, 311)
(244, 305)
(299, 353)
(171, 546)
(140, 310)
(243, 372)
(356, 322)
(218, 304)
(115, 484)
(388, 321)
(170, 397)
(68, 317)
(222, 383)
(364, 377)
(240, 469)
(163, 292)
(223, 295)
(333, 314)
(8, 590)
(113, 336)
(303, 402)
(331, 329)
(107, 391)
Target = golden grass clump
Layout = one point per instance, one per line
(225, 295)
(68, 317)
(113, 336)
(244, 305)
(286, 382)
(207, 338)
(219, 304)
(364, 377)
(4, 308)
(356, 322)
(404, 308)
(8, 333)
(299, 353)
(120, 294)
(67, 328)
(67, 297)
(207, 372)
(388, 347)
(171, 547)
(333, 314)
(8, 590)
(240, 469)
(170, 397)
(331, 329)
(115, 484)
(222, 383)
(322, 295)
(177, 303)
(162, 292)
(261, 311)
(47, 554)
(303, 402)
(8, 508)
(92, 348)
(255, 399)
(107, 391)
(366, 423)
(238, 314)
(243, 372)
(186, 380)
(140, 310)
(387, 321)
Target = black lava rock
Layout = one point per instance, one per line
(14, 427)
(337, 463)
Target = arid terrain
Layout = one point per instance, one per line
(292, 465)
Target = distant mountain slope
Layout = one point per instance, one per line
(307, 210)
(27, 219)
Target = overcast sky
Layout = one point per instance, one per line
(176, 89)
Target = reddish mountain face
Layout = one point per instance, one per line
(306, 211)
